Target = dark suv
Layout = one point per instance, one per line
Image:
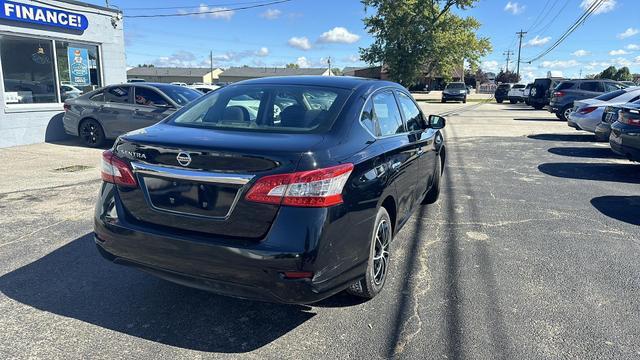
(569, 91)
(502, 92)
(541, 92)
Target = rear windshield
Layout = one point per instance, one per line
(504, 86)
(456, 86)
(180, 94)
(610, 95)
(269, 108)
(564, 85)
(518, 86)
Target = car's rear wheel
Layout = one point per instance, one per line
(513, 101)
(564, 113)
(434, 193)
(91, 133)
(538, 107)
(378, 264)
(499, 101)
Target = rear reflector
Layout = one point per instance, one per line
(558, 94)
(297, 274)
(116, 171)
(315, 188)
(587, 110)
(66, 107)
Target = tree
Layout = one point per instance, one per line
(507, 77)
(292, 66)
(481, 76)
(417, 37)
(611, 73)
(623, 74)
(608, 73)
(146, 65)
(336, 71)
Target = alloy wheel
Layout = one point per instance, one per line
(381, 252)
(91, 133)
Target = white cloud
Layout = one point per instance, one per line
(633, 47)
(580, 53)
(271, 14)
(620, 62)
(559, 64)
(605, 7)
(628, 33)
(489, 65)
(597, 65)
(537, 41)
(637, 60)
(179, 59)
(263, 51)
(514, 8)
(338, 35)
(204, 11)
(617, 52)
(303, 62)
(352, 58)
(301, 43)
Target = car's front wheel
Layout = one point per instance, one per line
(91, 133)
(564, 113)
(434, 193)
(378, 264)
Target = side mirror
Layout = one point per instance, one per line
(436, 122)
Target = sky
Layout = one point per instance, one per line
(308, 32)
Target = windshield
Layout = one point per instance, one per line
(269, 108)
(504, 86)
(179, 94)
(518, 86)
(456, 86)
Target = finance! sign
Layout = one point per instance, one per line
(43, 16)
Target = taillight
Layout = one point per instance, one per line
(558, 94)
(587, 110)
(631, 117)
(66, 107)
(116, 171)
(314, 188)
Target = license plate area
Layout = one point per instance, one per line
(187, 197)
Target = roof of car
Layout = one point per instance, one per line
(346, 82)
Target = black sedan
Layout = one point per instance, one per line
(625, 133)
(280, 189)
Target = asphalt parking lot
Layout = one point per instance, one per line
(532, 252)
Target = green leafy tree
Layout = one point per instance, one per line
(292, 66)
(623, 74)
(507, 77)
(608, 73)
(415, 37)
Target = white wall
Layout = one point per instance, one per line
(32, 123)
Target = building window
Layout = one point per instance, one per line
(78, 68)
(27, 70)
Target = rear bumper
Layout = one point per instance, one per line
(603, 131)
(333, 250)
(70, 124)
(625, 144)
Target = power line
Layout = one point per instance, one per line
(207, 12)
(540, 17)
(594, 6)
(193, 7)
(543, 29)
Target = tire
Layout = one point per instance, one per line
(538, 107)
(464, 101)
(499, 101)
(434, 193)
(513, 101)
(377, 269)
(443, 101)
(564, 113)
(91, 133)
(558, 115)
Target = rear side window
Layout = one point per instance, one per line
(99, 96)
(118, 94)
(268, 108)
(148, 97)
(565, 85)
(613, 86)
(610, 95)
(411, 112)
(594, 86)
(387, 113)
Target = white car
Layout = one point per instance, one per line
(587, 113)
(526, 92)
(516, 94)
(204, 88)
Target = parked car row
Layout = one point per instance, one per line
(613, 117)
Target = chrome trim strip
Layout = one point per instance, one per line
(193, 175)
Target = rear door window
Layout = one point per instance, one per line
(149, 97)
(564, 85)
(593, 86)
(387, 113)
(118, 94)
(99, 96)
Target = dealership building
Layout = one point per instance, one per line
(52, 50)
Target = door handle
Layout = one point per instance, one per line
(395, 165)
(420, 151)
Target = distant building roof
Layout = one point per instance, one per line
(257, 72)
(350, 70)
(167, 71)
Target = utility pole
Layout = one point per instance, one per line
(508, 54)
(520, 35)
(211, 67)
(329, 62)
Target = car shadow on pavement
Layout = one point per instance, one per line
(75, 281)
(623, 208)
(564, 137)
(76, 142)
(586, 152)
(622, 173)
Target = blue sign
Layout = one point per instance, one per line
(79, 66)
(43, 16)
